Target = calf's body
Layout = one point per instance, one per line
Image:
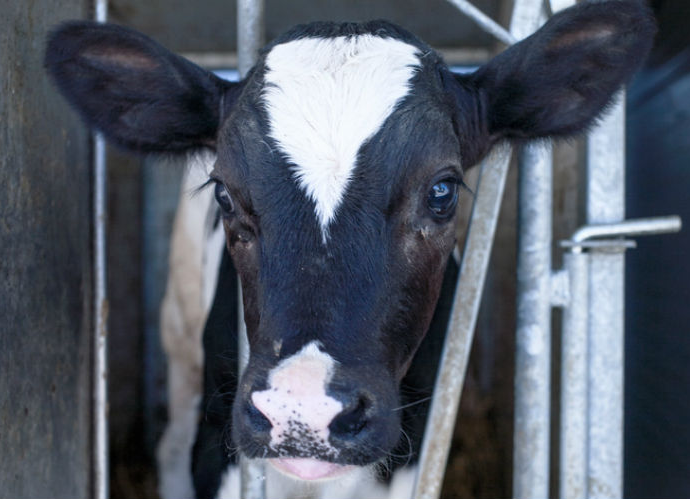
(338, 166)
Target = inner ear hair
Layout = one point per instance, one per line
(143, 97)
(121, 57)
(596, 33)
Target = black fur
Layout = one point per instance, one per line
(211, 454)
(139, 94)
(556, 82)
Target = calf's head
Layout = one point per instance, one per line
(339, 163)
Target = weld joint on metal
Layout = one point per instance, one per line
(599, 245)
(560, 288)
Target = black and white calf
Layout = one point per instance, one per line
(337, 164)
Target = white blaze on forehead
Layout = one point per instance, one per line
(296, 402)
(325, 97)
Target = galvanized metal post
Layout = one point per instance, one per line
(250, 39)
(533, 336)
(605, 203)
(250, 33)
(451, 374)
(100, 358)
(100, 344)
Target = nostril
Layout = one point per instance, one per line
(351, 420)
(256, 419)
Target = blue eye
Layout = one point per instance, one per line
(223, 198)
(443, 197)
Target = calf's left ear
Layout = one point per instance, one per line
(558, 80)
(140, 95)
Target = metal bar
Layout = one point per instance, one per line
(634, 227)
(573, 424)
(100, 367)
(527, 17)
(451, 374)
(484, 21)
(100, 341)
(600, 244)
(250, 33)
(533, 336)
(101, 10)
(605, 204)
(250, 39)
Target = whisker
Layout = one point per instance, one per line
(411, 404)
(410, 451)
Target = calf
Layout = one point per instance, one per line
(337, 167)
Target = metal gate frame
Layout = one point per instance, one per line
(589, 289)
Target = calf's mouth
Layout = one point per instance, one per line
(310, 469)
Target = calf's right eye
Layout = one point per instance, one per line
(443, 198)
(223, 198)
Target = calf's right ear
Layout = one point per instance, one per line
(555, 82)
(140, 95)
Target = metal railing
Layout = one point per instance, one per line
(100, 461)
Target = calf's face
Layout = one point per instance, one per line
(339, 164)
(339, 172)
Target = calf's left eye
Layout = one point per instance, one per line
(443, 197)
(223, 198)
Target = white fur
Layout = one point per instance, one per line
(195, 250)
(296, 399)
(325, 97)
(360, 484)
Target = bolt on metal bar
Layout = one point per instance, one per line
(250, 39)
(100, 464)
(484, 21)
(451, 374)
